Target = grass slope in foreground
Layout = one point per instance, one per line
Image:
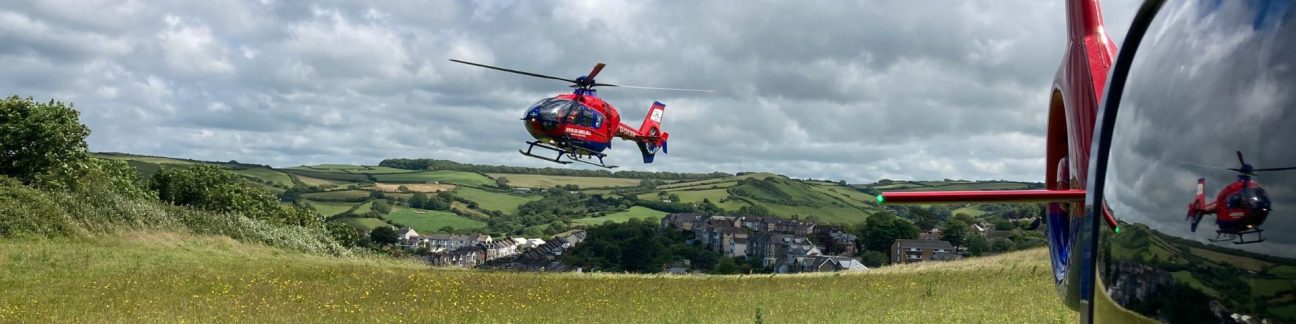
(154, 277)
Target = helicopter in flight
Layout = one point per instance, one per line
(1240, 208)
(580, 125)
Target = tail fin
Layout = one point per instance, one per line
(1197, 208)
(1200, 200)
(651, 137)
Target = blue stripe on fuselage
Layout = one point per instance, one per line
(591, 145)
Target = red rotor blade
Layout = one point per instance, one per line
(595, 72)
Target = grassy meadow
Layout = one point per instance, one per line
(430, 221)
(363, 223)
(328, 208)
(488, 200)
(167, 277)
(642, 213)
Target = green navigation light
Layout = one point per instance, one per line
(880, 199)
(1117, 229)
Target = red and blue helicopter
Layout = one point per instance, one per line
(1240, 208)
(580, 125)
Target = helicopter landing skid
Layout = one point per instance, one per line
(574, 154)
(1239, 237)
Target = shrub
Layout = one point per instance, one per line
(42, 144)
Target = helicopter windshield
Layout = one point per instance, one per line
(1248, 198)
(551, 109)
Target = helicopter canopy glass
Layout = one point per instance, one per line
(551, 109)
(1249, 198)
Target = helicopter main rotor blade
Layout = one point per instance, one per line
(1207, 166)
(516, 71)
(595, 72)
(1240, 160)
(651, 88)
(1274, 169)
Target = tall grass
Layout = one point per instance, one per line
(152, 277)
(28, 212)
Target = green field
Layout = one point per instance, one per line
(266, 174)
(365, 207)
(506, 203)
(971, 210)
(642, 213)
(326, 175)
(431, 221)
(716, 196)
(146, 159)
(442, 176)
(722, 182)
(331, 208)
(822, 215)
(154, 277)
(337, 195)
(365, 224)
(549, 181)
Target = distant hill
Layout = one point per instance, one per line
(345, 193)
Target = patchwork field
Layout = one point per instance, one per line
(312, 181)
(441, 176)
(413, 187)
(153, 277)
(549, 181)
(431, 221)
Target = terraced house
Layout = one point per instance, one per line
(909, 251)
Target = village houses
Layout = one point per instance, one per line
(781, 244)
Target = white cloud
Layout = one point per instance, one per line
(192, 48)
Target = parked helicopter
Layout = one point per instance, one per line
(1240, 208)
(580, 125)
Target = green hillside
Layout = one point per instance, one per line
(776, 195)
(645, 214)
(169, 277)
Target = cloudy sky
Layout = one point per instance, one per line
(853, 90)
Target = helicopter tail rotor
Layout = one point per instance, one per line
(650, 136)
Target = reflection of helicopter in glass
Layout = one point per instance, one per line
(1240, 208)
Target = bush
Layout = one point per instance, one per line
(25, 211)
(42, 144)
(209, 188)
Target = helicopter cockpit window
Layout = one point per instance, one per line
(1248, 198)
(550, 110)
(1223, 125)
